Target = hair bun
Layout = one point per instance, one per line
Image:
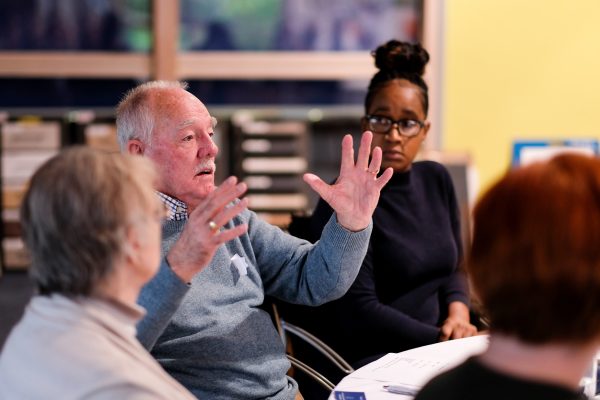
(401, 57)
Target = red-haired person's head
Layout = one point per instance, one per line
(535, 258)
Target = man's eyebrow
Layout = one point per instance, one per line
(191, 121)
(186, 123)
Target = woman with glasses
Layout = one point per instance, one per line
(410, 290)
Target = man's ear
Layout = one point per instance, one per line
(135, 146)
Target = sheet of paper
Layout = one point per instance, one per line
(417, 366)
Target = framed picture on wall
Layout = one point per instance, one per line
(528, 151)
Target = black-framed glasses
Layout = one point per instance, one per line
(406, 126)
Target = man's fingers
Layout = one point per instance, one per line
(384, 178)
(228, 193)
(219, 199)
(228, 189)
(317, 185)
(226, 185)
(362, 160)
(228, 213)
(347, 155)
(376, 156)
(230, 234)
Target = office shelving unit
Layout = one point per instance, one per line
(27, 142)
(271, 155)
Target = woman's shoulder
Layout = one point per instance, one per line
(430, 168)
(429, 165)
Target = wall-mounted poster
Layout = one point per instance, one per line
(528, 151)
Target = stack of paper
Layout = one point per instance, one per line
(411, 369)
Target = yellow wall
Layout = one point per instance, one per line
(519, 69)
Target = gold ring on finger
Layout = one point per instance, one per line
(213, 226)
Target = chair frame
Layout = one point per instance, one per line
(284, 328)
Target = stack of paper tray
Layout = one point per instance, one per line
(27, 143)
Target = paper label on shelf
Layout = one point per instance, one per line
(275, 165)
(19, 165)
(102, 136)
(292, 201)
(31, 135)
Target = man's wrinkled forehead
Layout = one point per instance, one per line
(194, 120)
(181, 108)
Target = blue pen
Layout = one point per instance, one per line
(407, 391)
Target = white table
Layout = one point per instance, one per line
(411, 368)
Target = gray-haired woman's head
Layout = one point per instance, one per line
(75, 216)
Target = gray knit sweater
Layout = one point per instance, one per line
(212, 337)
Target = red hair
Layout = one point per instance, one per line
(535, 257)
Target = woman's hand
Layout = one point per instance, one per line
(457, 324)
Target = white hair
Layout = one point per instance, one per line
(135, 117)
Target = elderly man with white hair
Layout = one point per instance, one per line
(204, 324)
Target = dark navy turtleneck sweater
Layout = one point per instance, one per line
(410, 273)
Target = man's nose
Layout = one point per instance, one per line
(207, 147)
